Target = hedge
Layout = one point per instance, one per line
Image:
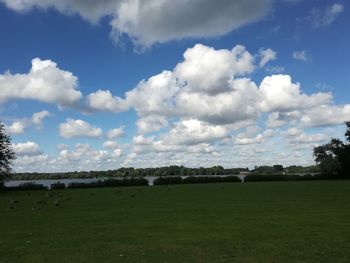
(210, 179)
(306, 177)
(28, 186)
(168, 180)
(58, 186)
(111, 182)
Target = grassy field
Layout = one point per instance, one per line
(231, 222)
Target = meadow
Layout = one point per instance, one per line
(307, 221)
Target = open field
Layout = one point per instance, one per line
(231, 222)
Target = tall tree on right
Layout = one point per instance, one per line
(334, 157)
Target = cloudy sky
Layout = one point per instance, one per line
(96, 85)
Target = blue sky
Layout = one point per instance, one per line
(86, 85)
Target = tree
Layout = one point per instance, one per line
(7, 155)
(334, 157)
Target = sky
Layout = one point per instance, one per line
(99, 85)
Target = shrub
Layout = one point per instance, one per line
(86, 185)
(112, 182)
(168, 180)
(211, 179)
(126, 182)
(28, 186)
(294, 177)
(58, 186)
(265, 177)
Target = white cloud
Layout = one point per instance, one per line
(38, 117)
(115, 133)
(153, 96)
(28, 149)
(113, 145)
(309, 139)
(44, 82)
(78, 128)
(158, 21)
(205, 110)
(90, 10)
(102, 100)
(275, 69)
(301, 55)
(253, 135)
(266, 55)
(278, 119)
(280, 94)
(207, 70)
(192, 131)
(151, 123)
(83, 153)
(110, 144)
(324, 17)
(326, 115)
(19, 126)
(235, 105)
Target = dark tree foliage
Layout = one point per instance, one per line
(334, 157)
(7, 154)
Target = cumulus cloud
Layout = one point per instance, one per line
(26, 149)
(158, 21)
(90, 10)
(193, 131)
(253, 135)
(278, 119)
(19, 126)
(38, 117)
(326, 115)
(78, 128)
(44, 82)
(102, 100)
(154, 96)
(84, 154)
(266, 55)
(151, 123)
(199, 112)
(279, 93)
(207, 70)
(110, 144)
(115, 133)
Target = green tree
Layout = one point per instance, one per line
(7, 155)
(334, 157)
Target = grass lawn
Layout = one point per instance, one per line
(230, 222)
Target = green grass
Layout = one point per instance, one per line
(231, 222)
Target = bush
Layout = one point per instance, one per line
(126, 182)
(28, 186)
(211, 179)
(168, 180)
(86, 185)
(111, 182)
(294, 177)
(58, 186)
(265, 177)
